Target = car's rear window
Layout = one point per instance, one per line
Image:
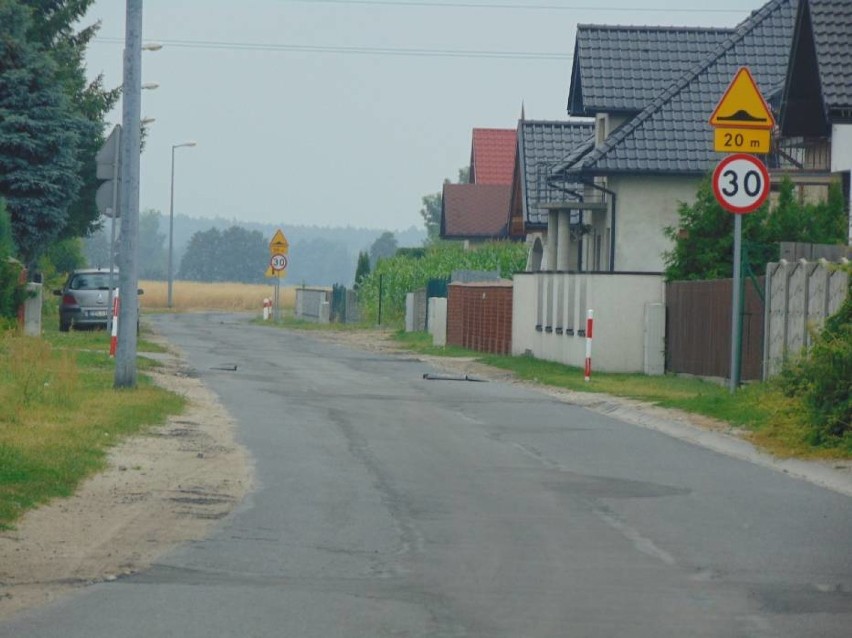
(90, 281)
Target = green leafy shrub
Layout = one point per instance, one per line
(12, 292)
(822, 380)
(703, 239)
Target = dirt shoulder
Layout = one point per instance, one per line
(160, 489)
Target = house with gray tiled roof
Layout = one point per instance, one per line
(815, 141)
(643, 165)
(621, 69)
(540, 144)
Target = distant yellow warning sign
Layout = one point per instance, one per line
(742, 105)
(279, 243)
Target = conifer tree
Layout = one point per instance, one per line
(39, 138)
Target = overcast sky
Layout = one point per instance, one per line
(300, 121)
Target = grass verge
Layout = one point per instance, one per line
(59, 414)
(774, 422)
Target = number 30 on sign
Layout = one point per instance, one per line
(741, 183)
(278, 262)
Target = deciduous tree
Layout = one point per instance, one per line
(235, 254)
(384, 246)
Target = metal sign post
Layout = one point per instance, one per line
(278, 262)
(736, 311)
(741, 185)
(742, 123)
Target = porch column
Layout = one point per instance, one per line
(552, 231)
(563, 242)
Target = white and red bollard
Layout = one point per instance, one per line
(113, 341)
(267, 308)
(589, 324)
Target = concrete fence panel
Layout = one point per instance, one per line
(313, 304)
(800, 296)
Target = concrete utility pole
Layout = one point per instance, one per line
(128, 279)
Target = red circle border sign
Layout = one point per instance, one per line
(724, 198)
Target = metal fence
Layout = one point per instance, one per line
(344, 305)
(698, 328)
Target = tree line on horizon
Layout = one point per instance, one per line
(235, 252)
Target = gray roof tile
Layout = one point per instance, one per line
(620, 68)
(542, 143)
(832, 29)
(672, 134)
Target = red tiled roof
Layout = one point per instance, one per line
(492, 156)
(475, 211)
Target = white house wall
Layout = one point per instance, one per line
(549, 313)
(841, 156)
(645, 206)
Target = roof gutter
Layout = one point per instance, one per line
(612, 194)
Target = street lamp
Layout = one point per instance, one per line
(172, 218)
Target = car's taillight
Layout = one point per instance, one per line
(68, 300)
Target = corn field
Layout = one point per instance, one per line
(402, 274)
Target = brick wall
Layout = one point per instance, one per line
(479, 316)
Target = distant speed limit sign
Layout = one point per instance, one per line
(741, 183)
(278, 262)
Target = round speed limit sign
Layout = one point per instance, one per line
(278, 262)
(741, 183)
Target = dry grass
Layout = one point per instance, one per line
(58, 415)
(188, 296)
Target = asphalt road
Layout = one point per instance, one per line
(390, 505)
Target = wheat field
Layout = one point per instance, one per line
(189, 296)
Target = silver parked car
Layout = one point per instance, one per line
(85, 299)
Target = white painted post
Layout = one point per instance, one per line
(116, 306)
(589, 324)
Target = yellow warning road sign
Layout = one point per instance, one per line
(279, 244)
(742, 106)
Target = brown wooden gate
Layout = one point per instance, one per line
(698, 328)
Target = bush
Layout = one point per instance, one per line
(12, 292)
(822, 380)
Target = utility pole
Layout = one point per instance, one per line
(128, 279)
